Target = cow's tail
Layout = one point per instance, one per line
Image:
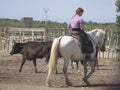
(53, 59)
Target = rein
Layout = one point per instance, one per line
(92, 39)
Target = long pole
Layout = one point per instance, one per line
(46, 11)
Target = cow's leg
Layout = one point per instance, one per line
(23, 62)
(47, 59)
(97, 64)
(34, 63)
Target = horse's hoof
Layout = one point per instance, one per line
(86, 81)
(69, 84)
(48, 84)
(19, 71)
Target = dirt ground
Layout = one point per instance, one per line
(107, 78)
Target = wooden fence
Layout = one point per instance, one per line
(26, 34)
(7, 35)
(112, 46)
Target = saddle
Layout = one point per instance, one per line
(86, 44)
(75, 35)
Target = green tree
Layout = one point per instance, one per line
(118, 15)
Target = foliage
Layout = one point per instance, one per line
(118, 5)
(10, 22)
(118, 15)
(4, 22)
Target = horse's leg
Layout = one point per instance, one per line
(96, 57)
(66, 62)
(92, 65)
(81, 62)
(72, 64)
(77, 66)
(23, 62)
(34, 63)
(85, 72)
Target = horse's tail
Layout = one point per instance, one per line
(53, 58)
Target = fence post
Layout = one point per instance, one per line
(32, 35)
(46, 34)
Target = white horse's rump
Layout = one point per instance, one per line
(69, 49)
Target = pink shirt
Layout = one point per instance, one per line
(76, 22)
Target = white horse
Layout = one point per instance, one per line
(69, 48)
(97, 41)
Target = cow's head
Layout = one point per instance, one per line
(17, 47)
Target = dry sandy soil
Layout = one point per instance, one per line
(107, 78)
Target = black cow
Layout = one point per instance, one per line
(31, 51)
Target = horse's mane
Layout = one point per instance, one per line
(95, 31)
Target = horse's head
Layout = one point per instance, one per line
(99, 36)
(102, 38)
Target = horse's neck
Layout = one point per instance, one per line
(93, 38)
